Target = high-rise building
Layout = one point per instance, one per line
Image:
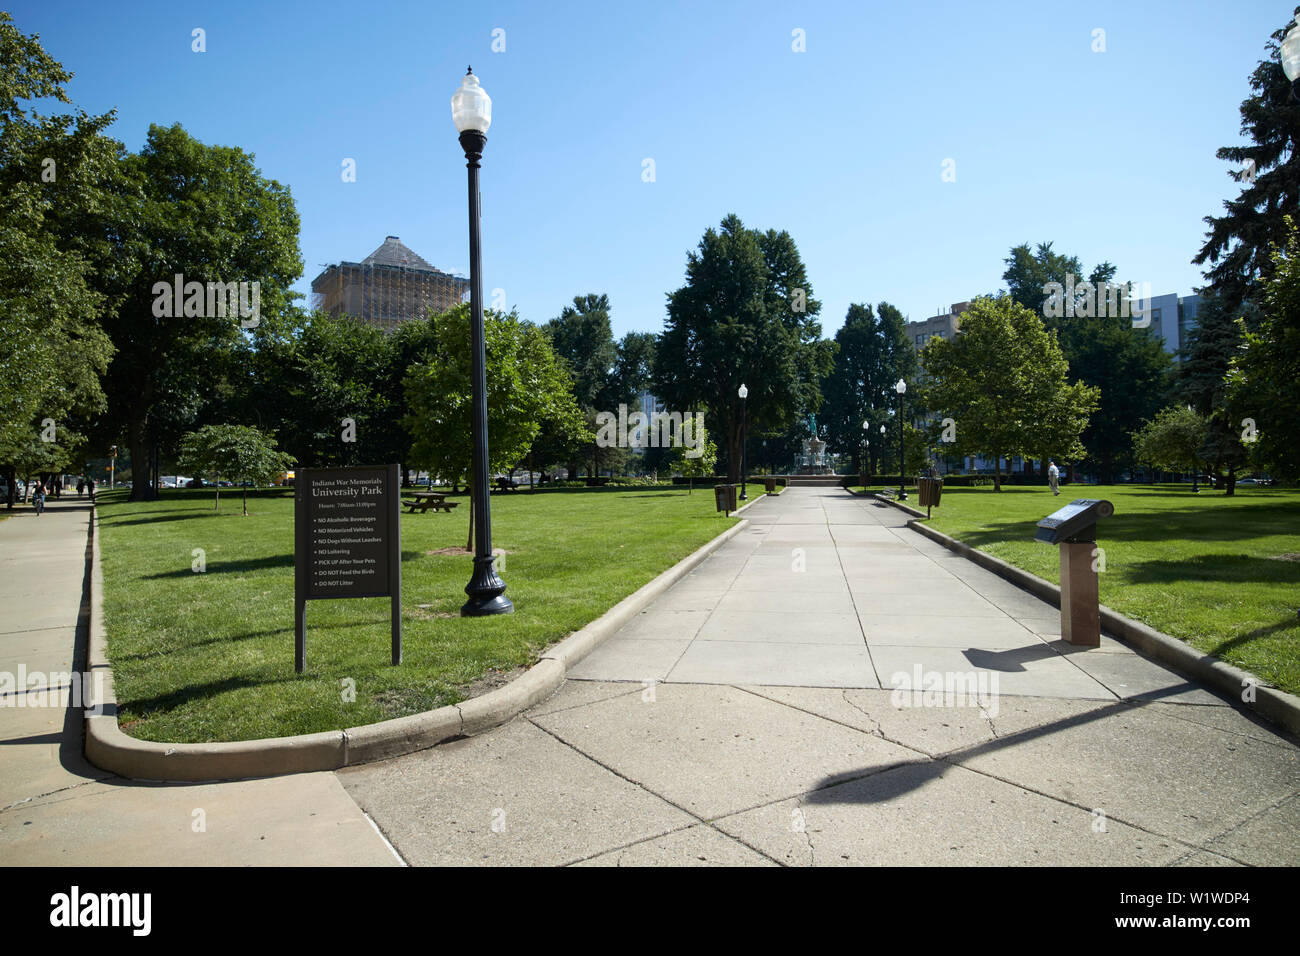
(945, 324)
(1172, 317)
(388, 287)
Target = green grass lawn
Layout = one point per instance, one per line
(1222, 574)
(209, 656)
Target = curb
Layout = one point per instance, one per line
(108, 748)
(1275, 705)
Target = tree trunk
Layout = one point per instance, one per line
(11, 480)
(997, 471)
(733, 453)
(244, 488)
(469, 541)
(141, 456)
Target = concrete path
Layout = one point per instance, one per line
(56, 809)
(828, 590)
(750, 717)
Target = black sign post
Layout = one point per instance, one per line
(347, 543)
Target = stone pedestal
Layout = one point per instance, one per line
(1080, 617)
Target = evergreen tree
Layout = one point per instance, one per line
(746, 315)
(872, 353)
(1239, 244)
(1207, 357)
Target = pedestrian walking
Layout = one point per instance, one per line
(90, 486)
(81, 487)
(38, 497)
(1053, 477)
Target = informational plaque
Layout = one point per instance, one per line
(347, 543)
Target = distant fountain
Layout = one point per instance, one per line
(813, 460)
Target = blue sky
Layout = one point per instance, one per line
(1110, 155)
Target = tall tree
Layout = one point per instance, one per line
(326, 391)
(528, 387)
(1239, 244)
(1133, 374)
(207, 215)
(583, 338)
(55, 170)
(1003, 381)
(746, 315)
(1207, 357)
(1264, 384)
(872, 353)
(1129, 365)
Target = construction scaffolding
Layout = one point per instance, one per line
(390, 286)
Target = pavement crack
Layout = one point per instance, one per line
(878, 732)
(803, 828)
(992, 727)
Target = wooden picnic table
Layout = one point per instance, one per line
(421, 501)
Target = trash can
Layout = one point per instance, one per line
(720, 499)
(770, 484)
(929, 492)
(732, 491)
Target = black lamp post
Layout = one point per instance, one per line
(884, 450)
(471, 111)
(866, 450)
(900, 388)
(744, 436)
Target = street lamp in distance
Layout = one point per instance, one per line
(900, 388)
(743, 392)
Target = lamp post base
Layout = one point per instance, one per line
(486, 591)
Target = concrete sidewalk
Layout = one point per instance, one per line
(56, 809)
(750, 717)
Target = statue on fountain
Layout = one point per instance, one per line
(813, 461)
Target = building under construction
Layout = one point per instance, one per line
(388, 287)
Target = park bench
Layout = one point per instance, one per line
(507, 484)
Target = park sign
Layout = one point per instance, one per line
(347, 543)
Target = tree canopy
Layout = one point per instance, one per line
(746, 315)
(56, 171)
(528, 387)
(235, 452)
(1238, 247)
(872, 353)
(1003, 381)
